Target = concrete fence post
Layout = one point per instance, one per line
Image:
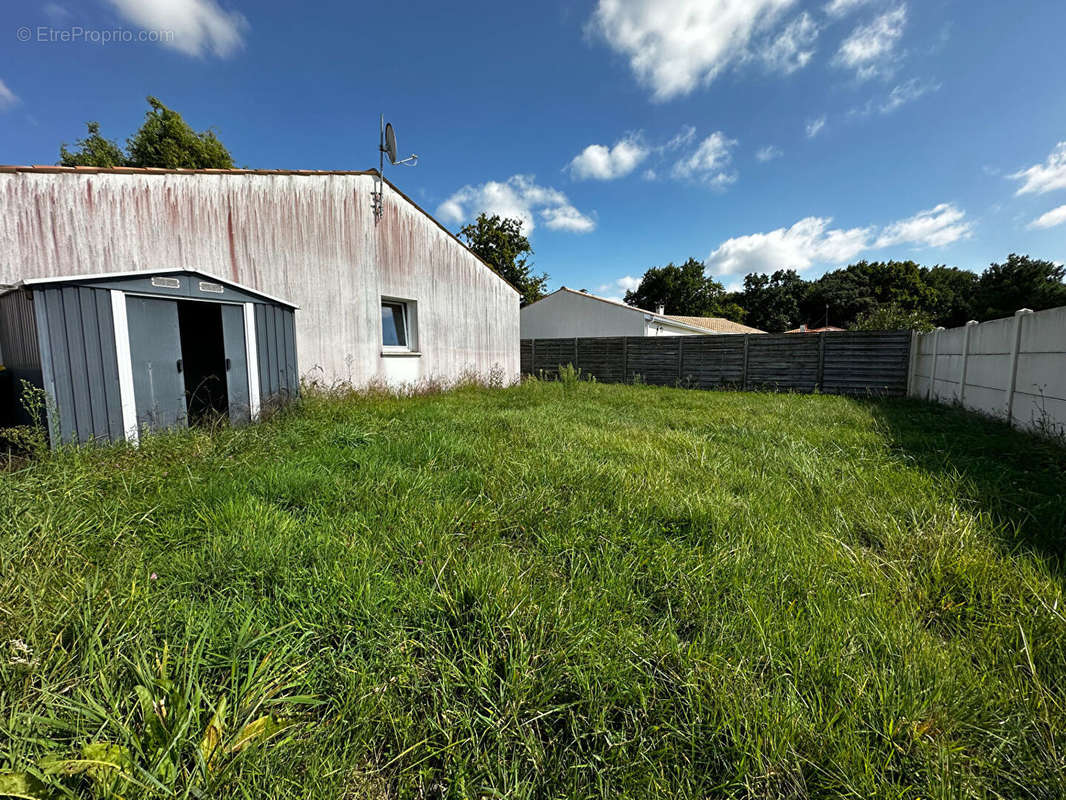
(576, 365)
(821, 360)
(680, 358)
(964, 369)
(532, 356)
(931, 392)
(912, 362)
(1016, 343)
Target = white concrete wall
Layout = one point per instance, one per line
(1008, 368)
(655, 327)
(569, 314)
(310, 239)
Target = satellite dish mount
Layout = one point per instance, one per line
(387, 147)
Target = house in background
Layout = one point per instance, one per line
(395, 299)
(805, 329)
(568, 313)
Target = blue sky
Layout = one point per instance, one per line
(752, 134)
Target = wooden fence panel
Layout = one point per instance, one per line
(850, 362)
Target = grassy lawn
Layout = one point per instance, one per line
(538, 592)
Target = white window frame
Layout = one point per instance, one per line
(410, 327)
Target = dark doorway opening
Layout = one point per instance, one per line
(203, 355)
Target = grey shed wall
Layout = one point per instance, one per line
(275, 335)
(76, 335)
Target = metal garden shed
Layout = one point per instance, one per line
(121, 353)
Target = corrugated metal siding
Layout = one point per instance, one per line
(79, 364)
(18, 331)
(851, 362)
(279, 377)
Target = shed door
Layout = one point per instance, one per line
(236, 363)
(155, 350)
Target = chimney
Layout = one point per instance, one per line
(660, 310)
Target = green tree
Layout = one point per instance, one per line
(1019, 282)
(165, 140)
(892, 317)
(863, 287)
(772, 302)
(500, 243)
(93, 151)
(684, 291)
(954, 291)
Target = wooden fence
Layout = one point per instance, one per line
(850, 362)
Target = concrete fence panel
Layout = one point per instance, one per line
(1013, 369)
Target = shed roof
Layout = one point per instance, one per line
(144, 273)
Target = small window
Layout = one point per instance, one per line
(394, 331)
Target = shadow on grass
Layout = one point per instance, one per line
(1018, 478)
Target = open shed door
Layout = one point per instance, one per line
(155, 351)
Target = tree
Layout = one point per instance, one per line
(954, 290)
(862, 288)
(164, 140)
(684, 291)
(772, 302)
(95, 151)
(892, 317)
(1020, 282)
(500, 243)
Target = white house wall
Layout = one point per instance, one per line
(567, 314)
(310, 239)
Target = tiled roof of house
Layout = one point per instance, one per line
(715, 324)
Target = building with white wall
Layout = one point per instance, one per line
(569, 313)
(397, 299)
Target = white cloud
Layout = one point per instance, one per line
(935, 227)
(811, 241)
(814, 126)
(1046, 177)
(840, 8)
(674, 46)
(616, 289)
(899, 96)
(1056, 216)
(870, 49)
(793, 48)
(709, 162)
(56, 12)
(198, 27)
(519, 197)
(602, 163)
(7, 97)
(768, 153)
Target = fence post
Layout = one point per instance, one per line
(532, 356)
(912, 361)
(680, 357)
(744, 369)
(625, 359)
(965, 361)
(821, 360)
(930, 393)
(576, 365)
(1016, 343)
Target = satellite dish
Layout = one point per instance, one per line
(390, 143)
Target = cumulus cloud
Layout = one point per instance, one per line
(519, 197)
(616, 289)
(814, 126)
(870, 49)
(935, 227)
(793, 48)
(1046, 177)
(199, 27)
(1056, 216)
(811, 241)
(709, 162)
(7, 97)
(841, 8)
(768, 153)
(602, 163)
(675, 46)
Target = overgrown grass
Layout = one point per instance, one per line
(543, 591)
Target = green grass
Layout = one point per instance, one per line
(544, 591)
